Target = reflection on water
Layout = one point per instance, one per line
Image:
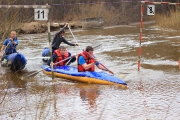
(153, 92)
(12, 81)
(89, 95)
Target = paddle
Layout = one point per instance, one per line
(3, 52)
(94, 46)
(68, 61)
(45, 68)
(87, 52)
(107, 69)
(37, 58)
(74, 37)
(34, 73)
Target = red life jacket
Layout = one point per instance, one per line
(88, 61)
(61, 57)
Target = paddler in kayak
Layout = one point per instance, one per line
(9, 47)
(86, 61)
(62, 54)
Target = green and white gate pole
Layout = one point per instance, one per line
(43, 14)
(50, 45)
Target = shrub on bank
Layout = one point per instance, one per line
(112, 14)
(170, 20)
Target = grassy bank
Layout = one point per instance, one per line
(169, 20)
(112, 14)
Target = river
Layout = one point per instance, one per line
(152, 93)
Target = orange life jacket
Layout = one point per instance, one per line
(61, 57)
(88, 61)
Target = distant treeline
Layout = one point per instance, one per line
(113, 12)
(79, 9)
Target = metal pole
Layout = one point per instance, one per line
(50, 46)
(140, 37)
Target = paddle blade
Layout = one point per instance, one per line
(30, 74)
(121, 76)
(96, 45)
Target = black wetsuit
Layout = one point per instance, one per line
(57, 41)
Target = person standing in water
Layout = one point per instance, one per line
(59, 38)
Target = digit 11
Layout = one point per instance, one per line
(43, 13)
(39, 13)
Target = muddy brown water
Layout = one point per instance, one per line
(152, 93)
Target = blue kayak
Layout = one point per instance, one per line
(15, 62)
(71, 73)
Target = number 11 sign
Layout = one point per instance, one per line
(41, 14)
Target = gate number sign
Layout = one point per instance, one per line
(150, 10)
(41, 14)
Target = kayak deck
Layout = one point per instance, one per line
(71, 73)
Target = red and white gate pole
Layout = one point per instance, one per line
(140, 37)
(141, 24)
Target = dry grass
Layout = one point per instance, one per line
(109, 13)
(168, 21)
(9, 22)
(112, 14)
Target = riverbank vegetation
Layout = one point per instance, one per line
(114, 12)
(171, 20)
